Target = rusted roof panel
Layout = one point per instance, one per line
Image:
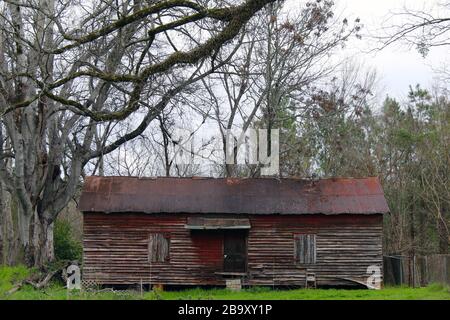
(250, 196)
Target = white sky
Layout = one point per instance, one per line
(397, 66)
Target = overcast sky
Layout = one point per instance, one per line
(397, 66)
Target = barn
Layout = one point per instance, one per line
(254, 232)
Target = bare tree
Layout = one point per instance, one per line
(68, 70)
(422, 29)
(275, 66)
(170, 146)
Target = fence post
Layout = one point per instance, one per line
(447, 259)
(446, 271)
(401, 271)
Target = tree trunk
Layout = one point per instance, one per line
(43, 243)
(423, 233)
(36, 235)
(443, 234)
(11, 240)
(9, 247)
(2, 224)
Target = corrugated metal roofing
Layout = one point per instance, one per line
(233, 195)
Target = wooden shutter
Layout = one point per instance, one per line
(305, 248)
(158, 248)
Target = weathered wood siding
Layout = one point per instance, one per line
(116, 249)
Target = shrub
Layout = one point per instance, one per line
(66, 246)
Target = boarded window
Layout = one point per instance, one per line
(158, 247)
(305, 248)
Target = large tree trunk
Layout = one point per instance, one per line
(25, 227)
(36, 236)
(43, 242)
(8, 248)
(11, 239)
(8, 236)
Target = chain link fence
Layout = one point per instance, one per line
(416, 271)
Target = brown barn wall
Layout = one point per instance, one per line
(115, 249)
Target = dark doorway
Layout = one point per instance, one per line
(235, 251)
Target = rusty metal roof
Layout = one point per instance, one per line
(232, 195)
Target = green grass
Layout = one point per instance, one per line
(9, 276)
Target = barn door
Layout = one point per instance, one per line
(235, 251)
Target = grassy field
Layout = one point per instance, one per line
(9, 276)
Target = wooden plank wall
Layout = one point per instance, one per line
(116, 249)
(345, 247)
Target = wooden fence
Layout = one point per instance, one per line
(416, 271)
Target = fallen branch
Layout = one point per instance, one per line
(37, 285)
